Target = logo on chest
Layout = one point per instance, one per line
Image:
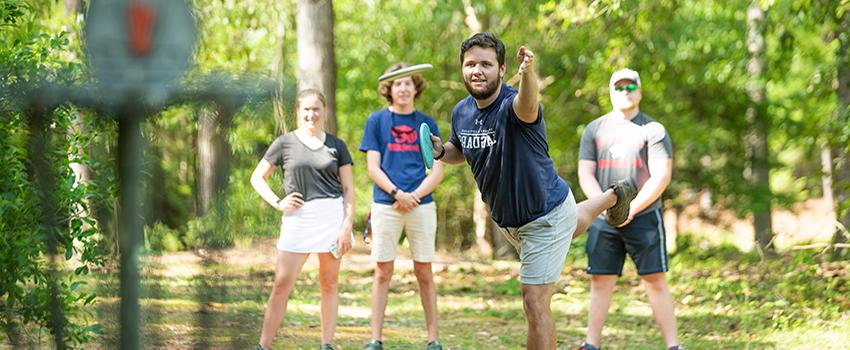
(477, 139)
(404, 139)
(617, 151)
(622, 156)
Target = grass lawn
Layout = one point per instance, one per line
(725, 299)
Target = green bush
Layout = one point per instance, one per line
(160, 238)
(31, 53)
(211, 230)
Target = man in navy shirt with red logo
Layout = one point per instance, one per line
(500, 132)
(401, 198)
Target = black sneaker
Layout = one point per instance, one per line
(258, 347)
(327, 347)
(586, 346)
(434, 345)
(619, 213)
(676, 347)
(374, 345)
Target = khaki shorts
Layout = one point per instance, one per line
(543, 243)
(420, 225)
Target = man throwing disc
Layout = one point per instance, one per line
(501, 133)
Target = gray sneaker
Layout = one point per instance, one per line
(619, 213)
(434, 345)
(374, 345)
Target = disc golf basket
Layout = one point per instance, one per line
(137, 51)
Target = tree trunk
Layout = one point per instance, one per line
(73, 6)
(207, 158)
(481, 220)
(213, 156)
(316, 61)
(156, 206)
(277, 75)
(11, 328)
(471, 19)
(489, 240)
(757, 172)
(502, 248)
(826, 178)
(841, 189)
(82, 174)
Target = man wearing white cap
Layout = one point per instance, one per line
(627, 144)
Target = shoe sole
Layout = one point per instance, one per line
(619, 213)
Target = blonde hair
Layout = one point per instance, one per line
(385, 87)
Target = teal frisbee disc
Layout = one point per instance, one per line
(426, 147)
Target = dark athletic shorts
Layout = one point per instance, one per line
(643, 239)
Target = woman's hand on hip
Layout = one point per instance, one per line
(290, 203)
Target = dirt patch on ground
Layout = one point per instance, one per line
(806, 222)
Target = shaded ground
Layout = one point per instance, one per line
(216, 299)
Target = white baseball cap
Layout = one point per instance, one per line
(624, 73)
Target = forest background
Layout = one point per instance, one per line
(754, 95)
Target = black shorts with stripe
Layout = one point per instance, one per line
(643, 239)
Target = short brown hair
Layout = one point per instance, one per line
(485, 40)
(385, 87)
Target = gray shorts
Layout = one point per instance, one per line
(543, 243)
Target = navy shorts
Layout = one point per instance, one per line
(643, 239)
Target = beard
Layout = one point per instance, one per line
(488, 90)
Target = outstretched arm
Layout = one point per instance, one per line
(525, 103)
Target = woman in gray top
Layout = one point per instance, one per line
(318, 211)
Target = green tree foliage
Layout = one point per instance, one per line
(36, 51)
(692, 57)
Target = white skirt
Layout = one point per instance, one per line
(313, 228)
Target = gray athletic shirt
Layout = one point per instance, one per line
(622, 148)
(313, 173)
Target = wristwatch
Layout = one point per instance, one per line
(394, 192)
(442, 153)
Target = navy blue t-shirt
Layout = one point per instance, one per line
(509, 159)
(396, 137)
